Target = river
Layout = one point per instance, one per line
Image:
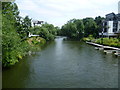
(64, 64)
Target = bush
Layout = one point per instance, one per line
(46, 31)
(36, 41)
(89, 38)
(109, 41)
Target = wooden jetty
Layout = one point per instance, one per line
(107, 49)
(117, 53)
(95, 44)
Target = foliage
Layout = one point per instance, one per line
(46, 31)
(23, 26)
(15, 29)
(90, 27)
(79, 28)
(109, 41)
(89, 38)
(98, 21)
(12, 47)
(14, 34)
(36, 41)
(73, 29)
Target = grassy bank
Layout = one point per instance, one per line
(113, 42)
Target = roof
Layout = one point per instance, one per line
(112, 16)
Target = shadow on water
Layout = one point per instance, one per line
(64, 64)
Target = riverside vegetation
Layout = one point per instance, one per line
(15, 29)
(88, 29)
(114, 42)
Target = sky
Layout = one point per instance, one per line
(58, 12)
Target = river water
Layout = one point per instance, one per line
(64, 64)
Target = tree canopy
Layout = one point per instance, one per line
(46, 31)
(79, 28)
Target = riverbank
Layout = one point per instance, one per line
(36, 42)
(109, 45)
(107, 49)
(29, 46)
(112, 42)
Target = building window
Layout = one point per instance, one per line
(105, 27)
(105, 30)
(115, 26)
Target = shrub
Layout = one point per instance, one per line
(109, 41)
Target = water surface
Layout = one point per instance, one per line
(64, 64)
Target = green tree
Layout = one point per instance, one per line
(10, 39)
(98, 21)
(26, 25)
(90, 27)
(46, 31)
(12, 46)
(80, 28)
(73, 29)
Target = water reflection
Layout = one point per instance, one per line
(64, 64)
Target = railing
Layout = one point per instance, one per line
(31, 35)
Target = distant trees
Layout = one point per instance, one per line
(79, 28)
(98, 21)
(26, 26)
(46, 31)
(73, 29)
(23, 26)
(90, 27)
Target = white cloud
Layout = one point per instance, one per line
(27, 5)
(57, 11)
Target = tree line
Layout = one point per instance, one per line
(79, 28)
(46, 31)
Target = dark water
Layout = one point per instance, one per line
(64, 64)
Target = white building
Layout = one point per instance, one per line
(31, 35)
(111, 24)
(36, 22)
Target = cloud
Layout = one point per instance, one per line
(27, 5)
(57, 11)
